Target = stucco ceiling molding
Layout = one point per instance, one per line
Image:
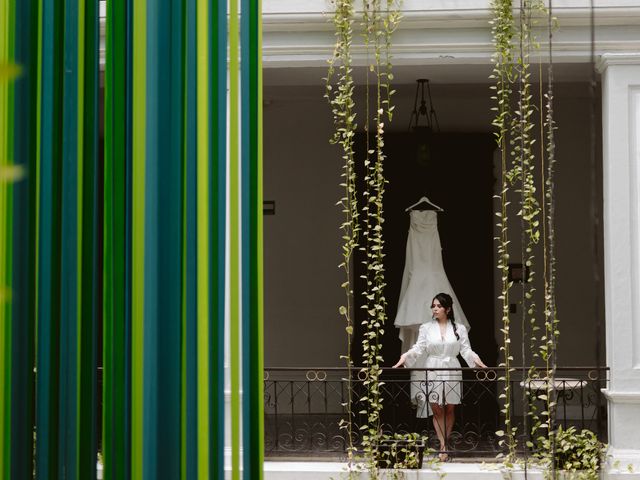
(452, 18)
(299, 33)
(438, 53)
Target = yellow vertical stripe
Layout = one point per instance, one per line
(203, 235)
(138, 232)
(5, 338)
(260, 250)
(234, 240)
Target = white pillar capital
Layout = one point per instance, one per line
(609, 59)
(621, 222)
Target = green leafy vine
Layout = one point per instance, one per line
(524, 164)
(363, 224)
(378, 26)
(373, 268)
(340, 98)
(515, 126)
(551, 332)
(503, 32)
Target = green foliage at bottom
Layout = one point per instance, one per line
(579, 454)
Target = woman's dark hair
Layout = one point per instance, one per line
(447, 302)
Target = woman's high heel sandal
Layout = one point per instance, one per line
(443, 456)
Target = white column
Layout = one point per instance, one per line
(621, 178)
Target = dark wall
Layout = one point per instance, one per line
(455, 172)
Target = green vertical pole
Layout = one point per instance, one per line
(48, 237)
(108, 310)
(23, 295)
(190, 424)
(71, 250)
(162, 300)
(116, 244)
(150, 272)
(89, 263)
(252, 211)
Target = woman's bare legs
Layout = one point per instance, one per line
(443, 420)
(450, 418)
(441, 427)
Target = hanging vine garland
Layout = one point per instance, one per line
(370, 345)
(543, 348)
(516, 126)
(551, 332)
(378, 27)
(503, 31)
(524, 169)
(340, 98)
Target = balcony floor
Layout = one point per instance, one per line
(322, 470)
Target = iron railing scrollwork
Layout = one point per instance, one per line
(303, 407)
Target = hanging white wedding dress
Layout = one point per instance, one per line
(423, 278)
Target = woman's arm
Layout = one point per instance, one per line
(418, 348)
(471, 357)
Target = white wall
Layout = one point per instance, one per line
(302, 279)
(578, 296)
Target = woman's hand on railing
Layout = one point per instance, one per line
(480, 364)
(403, 358)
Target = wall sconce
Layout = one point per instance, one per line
(518, 273)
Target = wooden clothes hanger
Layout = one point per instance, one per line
(425, 200)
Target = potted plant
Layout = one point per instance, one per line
(575, 454)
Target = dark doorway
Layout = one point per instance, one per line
(457, 175)
(455, 171)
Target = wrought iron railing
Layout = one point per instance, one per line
(303, 407)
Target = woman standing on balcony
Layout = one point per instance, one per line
(442, 339)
